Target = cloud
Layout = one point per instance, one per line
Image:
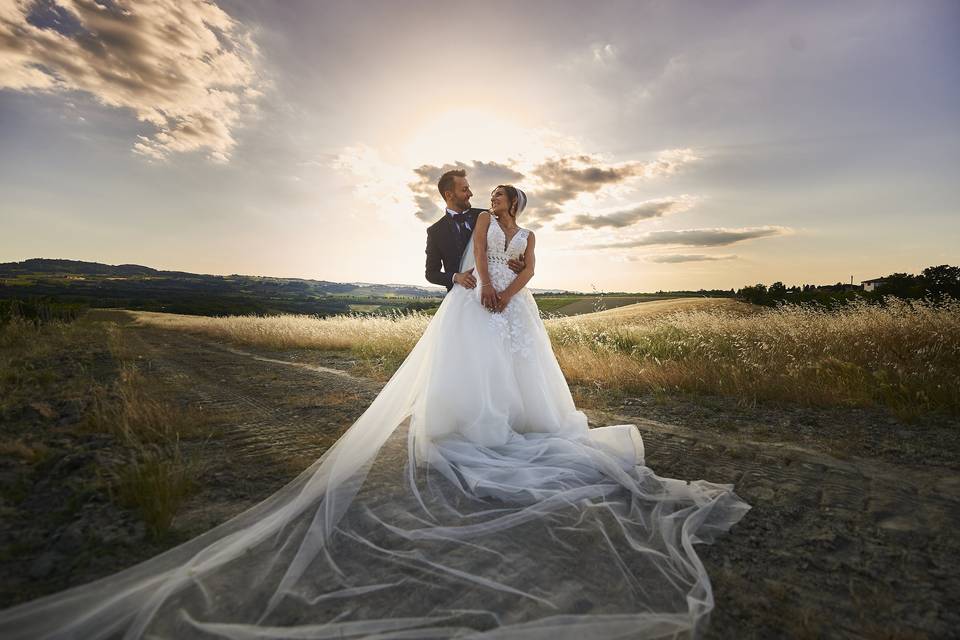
(564, 179)
(716, 237)
(603, 53)
(481, 175)
(671, 258)
(626, 217)
(550, 184)
(183, 66)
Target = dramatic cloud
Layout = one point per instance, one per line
(481, 175)
(619, 219)
(183, 66)
(671, 258)
(549, 184)
(699, 237)
(563, 179)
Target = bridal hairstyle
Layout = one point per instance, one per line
(516, 197)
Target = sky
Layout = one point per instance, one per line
(663, 145)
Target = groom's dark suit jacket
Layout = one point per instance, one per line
(445, 247)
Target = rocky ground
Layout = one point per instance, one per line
(851, 534)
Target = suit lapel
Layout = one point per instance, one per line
(455, 240)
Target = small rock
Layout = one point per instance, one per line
(45, 410)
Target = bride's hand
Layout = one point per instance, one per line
(488, 296)
(502, 302)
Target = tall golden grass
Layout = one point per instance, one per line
(903, 354)
(385, 340)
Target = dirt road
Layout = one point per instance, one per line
(840, 543)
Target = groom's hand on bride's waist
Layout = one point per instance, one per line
(516, 265)
(465, 279)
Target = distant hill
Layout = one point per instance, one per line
(45, 265)
(133, 286)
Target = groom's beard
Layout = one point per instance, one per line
(463, 205)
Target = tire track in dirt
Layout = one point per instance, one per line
(274, 417)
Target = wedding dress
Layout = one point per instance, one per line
(470, 499)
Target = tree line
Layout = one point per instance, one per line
(936, 283)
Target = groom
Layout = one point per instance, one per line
(448, 236)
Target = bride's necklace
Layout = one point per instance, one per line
(507, 238)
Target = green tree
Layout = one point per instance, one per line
(942, 280)
(902, 285)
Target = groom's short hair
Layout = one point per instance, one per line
(446, 180)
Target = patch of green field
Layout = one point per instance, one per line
(551, 304)
(576, 305)
(364, 308)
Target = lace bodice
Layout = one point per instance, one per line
(510, 325)
(499, 250)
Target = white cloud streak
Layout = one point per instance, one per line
(673, 258)
(626, 217)
(716, 237)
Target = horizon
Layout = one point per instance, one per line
(677, 146)
(430, 286)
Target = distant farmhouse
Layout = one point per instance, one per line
(872, 285)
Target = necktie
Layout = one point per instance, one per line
(460, 220)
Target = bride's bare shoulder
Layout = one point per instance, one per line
(483, 218)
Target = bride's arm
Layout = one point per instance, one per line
(488, 295)
(480, 246)
(523, 277)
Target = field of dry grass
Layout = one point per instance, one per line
(904, 355)
(380, 342)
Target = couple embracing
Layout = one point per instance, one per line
(495, 374)
(449, 236)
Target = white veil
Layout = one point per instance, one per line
(391, 535)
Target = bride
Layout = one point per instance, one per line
(470, 499)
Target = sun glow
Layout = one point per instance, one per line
(478, 134)
(384, 173)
